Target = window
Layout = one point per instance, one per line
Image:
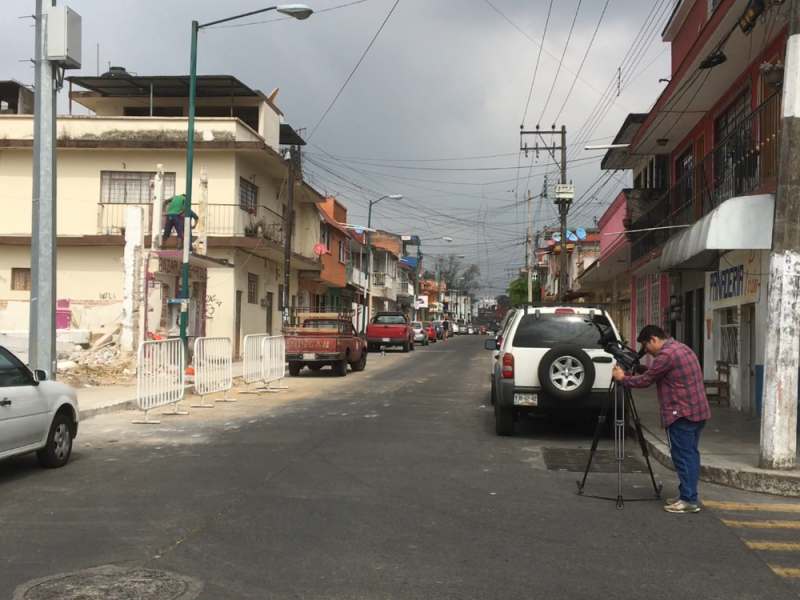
(655, 305)
(21, 280)
(732, 169)
(552, 329)
(389, 320)
(712, 6)
(252, 288)
(729, 328)
(641, 303)
(248, 195)
(341, 251)
(131, 187)
(12, 372)
(324, 235)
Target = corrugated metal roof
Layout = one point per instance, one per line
(165, 86)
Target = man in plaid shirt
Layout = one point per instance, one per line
(683, 406)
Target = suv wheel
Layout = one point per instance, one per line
(566, 373)
(503, 421)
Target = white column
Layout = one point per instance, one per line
(131, 285)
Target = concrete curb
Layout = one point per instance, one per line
(750, 480)
(121, 405)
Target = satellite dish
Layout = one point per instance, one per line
(581, 233)
(572, 237)
(556, 237)
(320, 249)
(550, 243)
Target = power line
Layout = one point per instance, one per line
(580, 68)
(536, 69)
(353, 72)
(561, 62)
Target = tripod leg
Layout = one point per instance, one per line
(601, 422)
(637, 424)
(619, 438)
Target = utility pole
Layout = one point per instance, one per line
(564, 192)
(528, 250)
(294, 171)
(779, 413)
(42, 334)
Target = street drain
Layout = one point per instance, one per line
(111, 583)
(574, 461)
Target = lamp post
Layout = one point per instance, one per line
(298, 11)
(369, 262)
(416, 272)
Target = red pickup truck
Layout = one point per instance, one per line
(325, 341)
(390, 329)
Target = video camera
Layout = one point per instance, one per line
(627, 357)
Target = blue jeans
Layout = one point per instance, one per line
(684, 437)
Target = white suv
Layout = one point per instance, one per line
(36, 415)
(549, 362)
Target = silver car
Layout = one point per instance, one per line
(420, 335)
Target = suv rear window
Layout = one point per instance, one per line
(389, 320)
(551, 330)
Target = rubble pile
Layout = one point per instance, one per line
(99, 366)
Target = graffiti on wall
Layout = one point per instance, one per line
(212, 304)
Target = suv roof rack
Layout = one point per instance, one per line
(553, 304)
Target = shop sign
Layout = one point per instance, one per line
(169, 266)
(421, 302)
(734, 285)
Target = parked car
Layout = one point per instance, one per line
(482, 330)
(390, 329)
(428, 325)
(469, 330)
(326, 341)
(420, 333)
(549, 362)
(499, 339)
(455, 328)
(36, 415)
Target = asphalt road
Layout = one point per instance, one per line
(387, 484)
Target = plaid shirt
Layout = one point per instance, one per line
(679, 382)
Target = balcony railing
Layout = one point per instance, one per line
(379, 279)
(355, 276)
(744, 160)
(237, 220)
(111, 218)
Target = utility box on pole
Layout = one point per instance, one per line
(63, 37)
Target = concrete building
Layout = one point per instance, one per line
(704, 163)
(105, 164)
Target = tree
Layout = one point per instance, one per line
(452, 270)
(518, 291)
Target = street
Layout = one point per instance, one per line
(386, 484)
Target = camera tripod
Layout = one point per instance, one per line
(622, 399)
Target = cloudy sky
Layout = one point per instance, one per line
(433, 111)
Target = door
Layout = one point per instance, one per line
(699, 323)
(23, 405)
(238, 334)
(688, 320)
(748, 359)
(270, 309)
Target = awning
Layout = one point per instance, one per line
(741, 223)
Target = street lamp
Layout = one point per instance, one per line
(369, 262)
(416, 272)
(298, 11)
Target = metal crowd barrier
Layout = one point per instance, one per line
(160, 377)
(274, 353)
(253, 362)
(213, 368)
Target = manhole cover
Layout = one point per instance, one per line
(111, 583)
(574, 460)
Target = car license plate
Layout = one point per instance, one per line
(386, 339)
(310, 356)
(526, 399)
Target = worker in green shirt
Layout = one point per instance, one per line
(174, 214)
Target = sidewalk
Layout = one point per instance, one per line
(96, 401)
(729, 449)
